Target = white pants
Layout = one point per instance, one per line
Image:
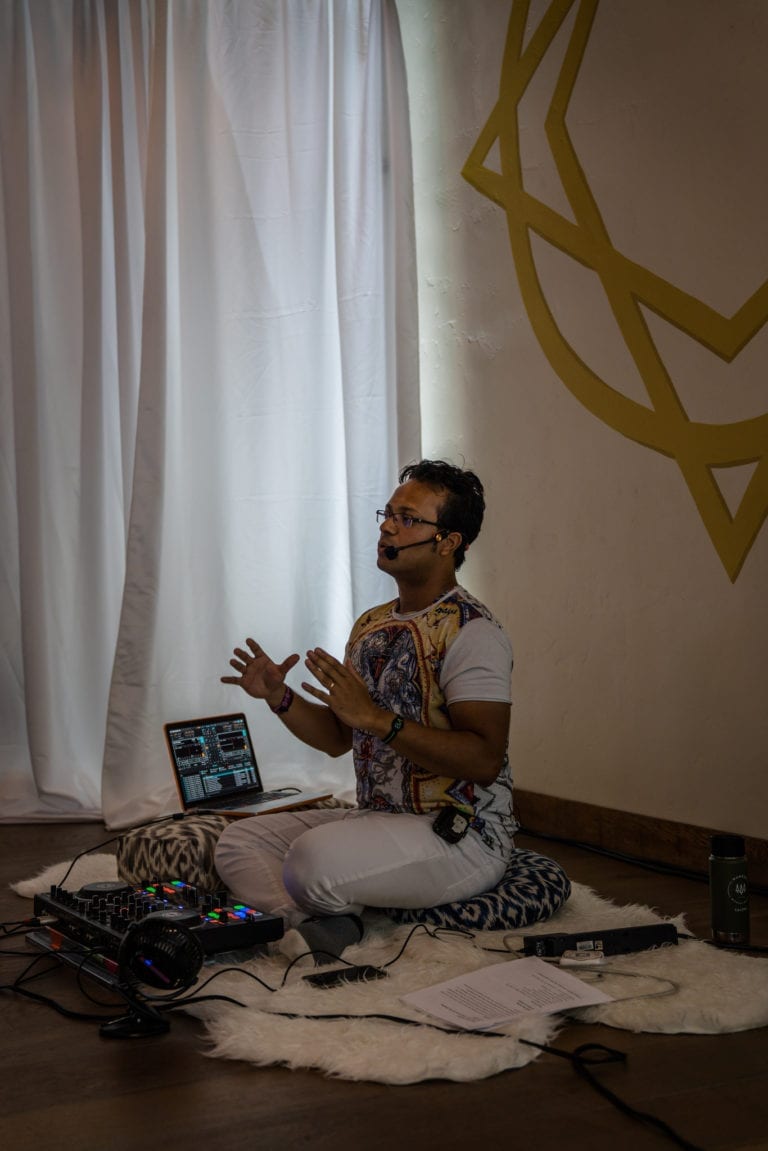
(336, 862)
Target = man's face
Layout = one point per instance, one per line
(410, 504)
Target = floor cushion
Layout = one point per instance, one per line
(180, 847)
(532, 889)
(177, 849)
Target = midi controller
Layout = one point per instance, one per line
(150, 932)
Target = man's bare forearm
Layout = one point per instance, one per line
(471, 753)
(315, 725)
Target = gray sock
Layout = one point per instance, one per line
(325, 935)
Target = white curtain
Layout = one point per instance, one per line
(208, 369)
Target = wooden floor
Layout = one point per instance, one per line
(66, 1087)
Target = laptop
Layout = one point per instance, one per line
(215, 769)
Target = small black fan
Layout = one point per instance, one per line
(160, 953)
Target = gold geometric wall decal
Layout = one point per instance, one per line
(663, 425)
(733, 482)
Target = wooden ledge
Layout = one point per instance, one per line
(641, 837)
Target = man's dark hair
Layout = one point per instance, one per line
(463, 505)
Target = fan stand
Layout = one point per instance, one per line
(159, 951)
(141, 1021)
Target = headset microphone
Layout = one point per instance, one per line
(392, 552)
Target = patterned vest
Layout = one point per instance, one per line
(400, 660)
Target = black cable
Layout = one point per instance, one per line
(432, 932)
(175, 816)
(82, 974)
(582, 1067)
(216, 975)
(18, 988)
(33, 962)
(200, 999)
(20, 926)
(56, 1006)
(647, 864)
(576, 1058)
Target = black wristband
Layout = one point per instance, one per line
(397, 725)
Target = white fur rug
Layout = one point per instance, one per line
(689, 988)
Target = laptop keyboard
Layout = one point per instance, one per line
(253, 801)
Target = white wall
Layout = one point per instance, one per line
(640, 679)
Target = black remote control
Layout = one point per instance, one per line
(360, 974)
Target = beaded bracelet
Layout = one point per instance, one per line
(284, 703)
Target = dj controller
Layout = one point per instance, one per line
(151, 932)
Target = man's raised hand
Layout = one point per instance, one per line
(258, 675)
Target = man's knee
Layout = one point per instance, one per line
(227, 848)
(305, 873)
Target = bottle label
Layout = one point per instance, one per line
(738, 892)
(729, 895)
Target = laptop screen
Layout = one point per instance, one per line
(213, 759)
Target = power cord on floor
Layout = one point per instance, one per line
(582, 1059)
(636, 861)
(583, 1067)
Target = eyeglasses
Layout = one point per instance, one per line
(401, 520)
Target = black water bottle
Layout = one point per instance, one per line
(729, 890)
